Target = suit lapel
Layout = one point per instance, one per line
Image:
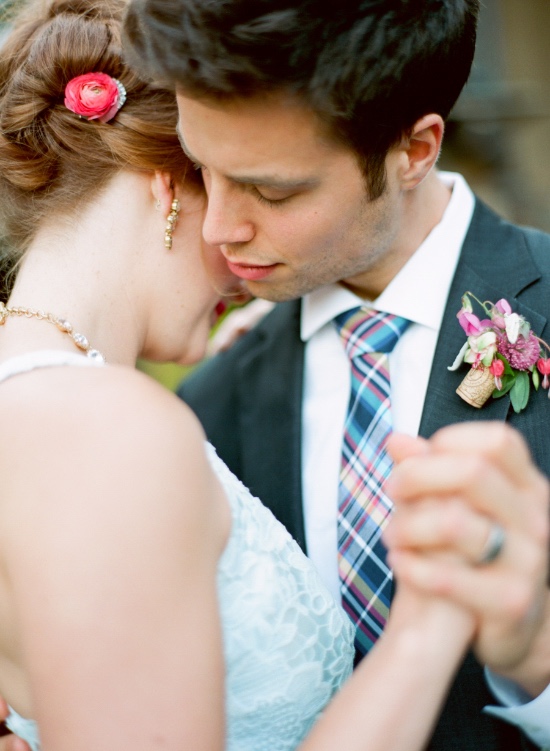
(494, 263)
(270, 416)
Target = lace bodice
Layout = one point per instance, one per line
(288, 646)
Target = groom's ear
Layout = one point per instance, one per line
(163, 191)
(421, 149)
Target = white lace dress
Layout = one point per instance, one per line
(288, 646)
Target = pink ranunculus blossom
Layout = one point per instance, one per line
(95, 96)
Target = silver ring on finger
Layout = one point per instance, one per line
(493, 546)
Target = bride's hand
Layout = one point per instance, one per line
(435, 618)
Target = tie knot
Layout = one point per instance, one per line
(365, 330)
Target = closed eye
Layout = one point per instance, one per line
(273, 202)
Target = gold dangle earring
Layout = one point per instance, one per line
(171, 220)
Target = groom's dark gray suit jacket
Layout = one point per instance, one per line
(249, 400)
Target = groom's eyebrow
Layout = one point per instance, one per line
(266, 181)
(278, 183)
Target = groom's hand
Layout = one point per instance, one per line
(9, 742)
(450, 492)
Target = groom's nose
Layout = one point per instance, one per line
(226, 220)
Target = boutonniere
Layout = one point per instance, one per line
(504, 354)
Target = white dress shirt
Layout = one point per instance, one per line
(419, 293)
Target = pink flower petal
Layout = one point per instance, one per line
(470, 323)
(503, 306)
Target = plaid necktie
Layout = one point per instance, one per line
(364, 508)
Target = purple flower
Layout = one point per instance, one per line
(523, 353)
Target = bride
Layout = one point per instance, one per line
(147, 600)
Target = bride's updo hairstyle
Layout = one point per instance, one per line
(51, 160)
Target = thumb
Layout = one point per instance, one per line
(401, 447)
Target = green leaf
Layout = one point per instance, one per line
(536, 379)
(519, 393)
(507, 383)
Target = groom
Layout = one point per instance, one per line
(317, 129)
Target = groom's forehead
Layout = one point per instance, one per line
(272, 131)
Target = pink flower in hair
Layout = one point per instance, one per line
(95, 96)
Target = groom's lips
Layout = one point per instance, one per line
(249, 272)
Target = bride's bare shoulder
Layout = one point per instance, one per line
(111, 426)
(86, 400)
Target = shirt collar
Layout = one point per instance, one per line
(420, 289)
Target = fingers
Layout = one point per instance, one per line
(13, 743)
(471, 587)
(488, 478)
(433, 526)
(402, 446)
(495, 441)
(451, 494)
(506, 597)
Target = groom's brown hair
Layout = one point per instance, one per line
(369, 69)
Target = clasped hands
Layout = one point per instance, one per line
(469, 494)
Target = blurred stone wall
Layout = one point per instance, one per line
(499, 132)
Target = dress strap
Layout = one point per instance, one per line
(47, 358)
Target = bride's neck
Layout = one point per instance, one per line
(83, 269)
